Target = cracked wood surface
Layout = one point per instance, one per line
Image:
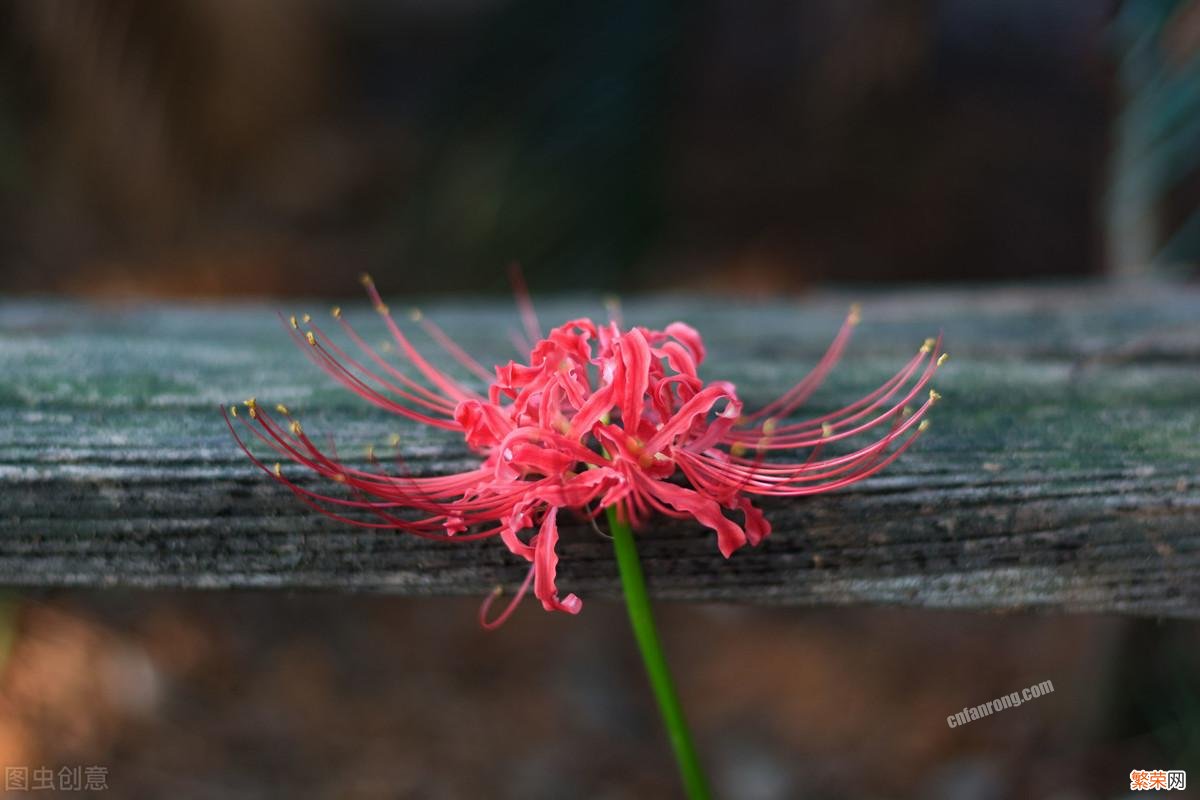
(1061, 472)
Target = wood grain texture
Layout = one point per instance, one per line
(1062, 470)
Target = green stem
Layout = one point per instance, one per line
(636, 600)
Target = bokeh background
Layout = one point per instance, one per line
(212, 149)
(203, 147)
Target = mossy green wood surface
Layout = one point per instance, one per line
(1062, 469)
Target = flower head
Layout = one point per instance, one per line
(595, 416)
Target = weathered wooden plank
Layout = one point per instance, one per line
(1062, 471)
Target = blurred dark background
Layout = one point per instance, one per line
(274, 695)
(202, 147)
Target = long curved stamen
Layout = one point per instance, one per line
(435, 376)
(423, 528)
(486, 606)
(856, 410)
(784, 480)
(450, 346)
(430, 397)
(528, 315)
(335, 369)
(808, 384)
(828, 431)
(850, 412)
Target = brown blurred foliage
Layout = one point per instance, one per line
(202, 147)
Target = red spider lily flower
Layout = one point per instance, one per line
(596, 416)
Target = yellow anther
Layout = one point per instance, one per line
(278, 470)
(927, 345)
(943, 358)
(365, 279)
(934, 396)
(293, 321)
(855, 314)
(415, 314)
(738, 449)
(253, 412)
(770, 425)
(282, 409)
(826, 430)
(337, 312)
(906, 412)
(311, 338)
(296, 429)
(370, 452)
(306, 319)
(382, 308)
(339, 478)
(395, 440)
(250, 402)
(233, 411)
(924, 425)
